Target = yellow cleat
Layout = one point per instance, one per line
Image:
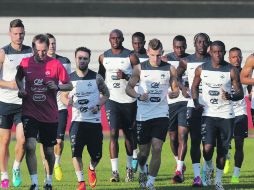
(234, 180)
(226, 167)
(58, 172)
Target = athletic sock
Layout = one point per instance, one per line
(135, 154)
(179, 166)
(129, 161)
(196, 169)
(57, 159)
(218, 175)
(80, 176)
(209, 164)
(150, 181)
(16, 165)
(91, 167)
(114, 164)
(34, 179)
(48, 179)
(236, 171)
(4, 175)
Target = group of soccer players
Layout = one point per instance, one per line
(146, 93)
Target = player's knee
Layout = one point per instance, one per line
(156, 149)
(142, 159)
(30, 145)
(113, 135)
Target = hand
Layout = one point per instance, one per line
(51, 85)
(185, 92)
(143, 97)
(94, 109)
(22, 93)
(225, 95)
(199, 107)
(71, 101)
(172, 94)
(12, 85)
(119, 74)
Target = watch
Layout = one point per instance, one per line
(138, 97)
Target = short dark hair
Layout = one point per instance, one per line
(85, 49)
(49, 35)
(203, 35)
(179, 38)
(235, 49)
(139, 35)
(41, 38)
(16, 23)
(218, 43)
(155, 44)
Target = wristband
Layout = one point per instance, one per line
(98, 107)
(58, 88)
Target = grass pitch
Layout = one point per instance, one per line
(163, 181)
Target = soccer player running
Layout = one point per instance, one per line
(138, 44)
(115, 66)
(188, 65)
(39, 106)
(89, 93)
(218, 77)
(62, 112)
(154, 77)
(178, 130)
(241, 120)
(10, 105)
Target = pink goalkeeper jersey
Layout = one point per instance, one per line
(40, 102)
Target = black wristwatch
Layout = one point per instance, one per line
(98, 107)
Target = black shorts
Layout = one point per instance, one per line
(194, 121)
(7, 121)
(177, 115)
(62, 122)
(121, 115)
(241, 126)
(217, 131)
(152, 128)
(45, 133)
(90, 134)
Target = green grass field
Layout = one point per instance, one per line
(163, 181)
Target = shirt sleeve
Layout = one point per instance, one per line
(62, 74)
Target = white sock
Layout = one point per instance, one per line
(57, 159)
(135, 154)
(91, 166)
(218, 175)
(209, 164)
(4, 175)
(80, 176)
(16, 165)
(129, 160)
(150, 181)
(179, 166)
(196, 169)
(114, 164)
(48, 179)
(34, 179)
(176, 158)
(236, 171)
(142, 169)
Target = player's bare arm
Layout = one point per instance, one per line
(236, 84)
(102, 70)
(246, 73)
(173, 83)
(195, 88)
(103, 89)
(180, 71)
